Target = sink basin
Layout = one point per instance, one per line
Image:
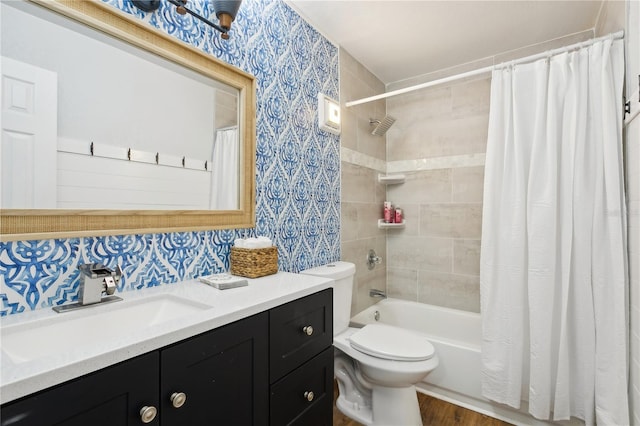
(54, 335)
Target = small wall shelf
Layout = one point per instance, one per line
(384, 225)
(391, 179)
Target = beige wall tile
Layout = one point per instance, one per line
(356, 252)
(349, 129)
(466, 257)
(422, 104)
(357, 82)
(357, 87)
(451, 220)
(422, 187)
(368, 215)
(467, 184)
(438, 138)
(358, 183)
(402, 284)
(381, 192)
(376, 279)
(407, 252)
(450, 290)
(369, 144)
(348, 221)
(362, 195)
(471, 98)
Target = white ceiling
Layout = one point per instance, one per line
(397, 39)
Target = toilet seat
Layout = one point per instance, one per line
(391, 343)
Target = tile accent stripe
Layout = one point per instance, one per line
(359, 159)
(450, 162)
(454, 161)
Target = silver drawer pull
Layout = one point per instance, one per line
(308, 330)
(308, 395)
(178, 399)
(148, 413)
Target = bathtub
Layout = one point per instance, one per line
(456, 336)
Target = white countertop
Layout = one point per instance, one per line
(21, 379)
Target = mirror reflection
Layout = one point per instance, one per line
(91, 122)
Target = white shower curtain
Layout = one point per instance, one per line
(225, 172)
(553, 254)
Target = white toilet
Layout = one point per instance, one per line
(376, 366)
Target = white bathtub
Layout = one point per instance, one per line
(456, 336)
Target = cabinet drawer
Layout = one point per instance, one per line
(289, 406)
(291, 342)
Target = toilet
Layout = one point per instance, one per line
(376, 366)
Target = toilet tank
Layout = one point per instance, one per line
(342, 273)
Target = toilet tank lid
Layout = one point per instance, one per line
(334, 270)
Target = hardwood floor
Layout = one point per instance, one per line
(434, 413)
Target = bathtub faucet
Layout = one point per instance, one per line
(377, 293)
(373, 259)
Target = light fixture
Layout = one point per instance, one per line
(225, 10)
(328, 114)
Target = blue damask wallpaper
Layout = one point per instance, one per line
(297, 168)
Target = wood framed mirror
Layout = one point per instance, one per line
(98, 216)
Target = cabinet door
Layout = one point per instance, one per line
(110, 397)
(292, 341)
(223, 374)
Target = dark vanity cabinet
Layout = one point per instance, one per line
(269, 368)
(113, 396)
(301, 361)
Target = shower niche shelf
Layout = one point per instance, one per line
(384, 225)
(391, 179)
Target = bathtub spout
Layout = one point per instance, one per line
(377, 293)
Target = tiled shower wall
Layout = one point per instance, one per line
(297, 169)
(439, 141)
(362, 158)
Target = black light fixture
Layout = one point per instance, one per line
(225, 10)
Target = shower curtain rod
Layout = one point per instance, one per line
(617, 35)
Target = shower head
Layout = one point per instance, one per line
(382, 125)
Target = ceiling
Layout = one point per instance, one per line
(398, 39)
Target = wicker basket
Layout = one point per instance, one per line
(254, 263)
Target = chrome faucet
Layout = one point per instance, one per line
(377, 293)
(373, 259)
(95, 279)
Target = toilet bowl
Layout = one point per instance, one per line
(378, 365)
